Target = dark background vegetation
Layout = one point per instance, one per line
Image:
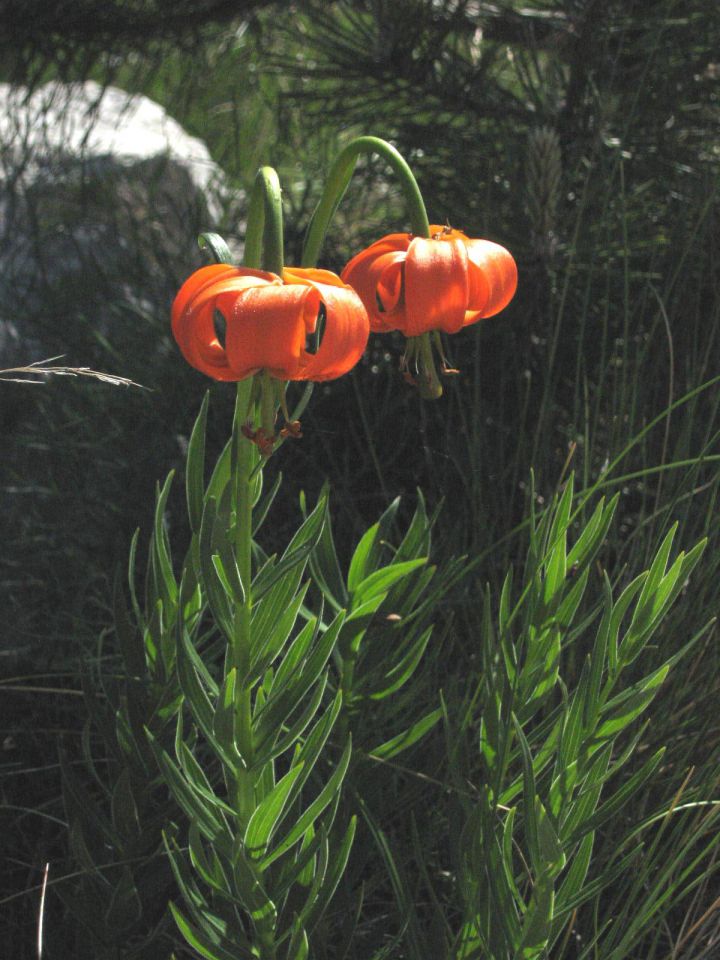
(581, 134)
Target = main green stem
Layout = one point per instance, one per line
(337, 183)
(263, 250)
(244, 465)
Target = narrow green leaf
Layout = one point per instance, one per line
(537, 923)
(291, 737)
(381, 580)
(250, 889)
(268, 814)
(195, 469)
(129, 637)
(205, 946)
(132, 553)
(368, 552)
(283, 701)
(529, 797)
(210, 582)
(298, 947)
(416, 541)
(206, 862)
(194, 805)
(160, 551)
(568, 605)
(124, 809)
(308, 817)
(221, 474)
(264, 656)
(261, 510)
(551, 851)
(592, 537)
(575, 877)
(505, 602)
(295, 655)
(223, 721)
(396, 677)
(405, 740)
(561, 514)
(619, 712)
(359, 563)
(555, 572)
(316, 908)
(610, 808)
(226, 565)
(325, 566)
(657, 568)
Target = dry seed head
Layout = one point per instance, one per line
(543, 176)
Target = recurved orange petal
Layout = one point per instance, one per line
(376, 273)
(208, 290)
(436, 286)
(346, 328)
(268, 328)
(493, 277)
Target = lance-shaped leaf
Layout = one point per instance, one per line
(325, 566)
(380, 581)
(367, 554)
(298, 947)
(212, 585)
(285, 698)
(250, 890)
(405, 740)
(611, 807)
(194, 803)
(537, 923)
(195, 467)
(268, 814)
(166, 585)
(308, 817)
(398, 676)
(263, 506)
(590, 540)
(264, 655)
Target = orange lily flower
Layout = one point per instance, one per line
(444, 282)
(268, 322)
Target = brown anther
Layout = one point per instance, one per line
(247, 431)
(409, 378)
(448, 370)
(292, 428)
(265, 442)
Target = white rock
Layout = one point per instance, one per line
(86, 121)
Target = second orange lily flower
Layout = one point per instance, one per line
(444, 282)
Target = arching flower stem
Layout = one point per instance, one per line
(264, 233)
(337, 183)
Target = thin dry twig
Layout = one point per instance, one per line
(39, 369)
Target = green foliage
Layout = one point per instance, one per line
(552, 743)
(522, 730)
